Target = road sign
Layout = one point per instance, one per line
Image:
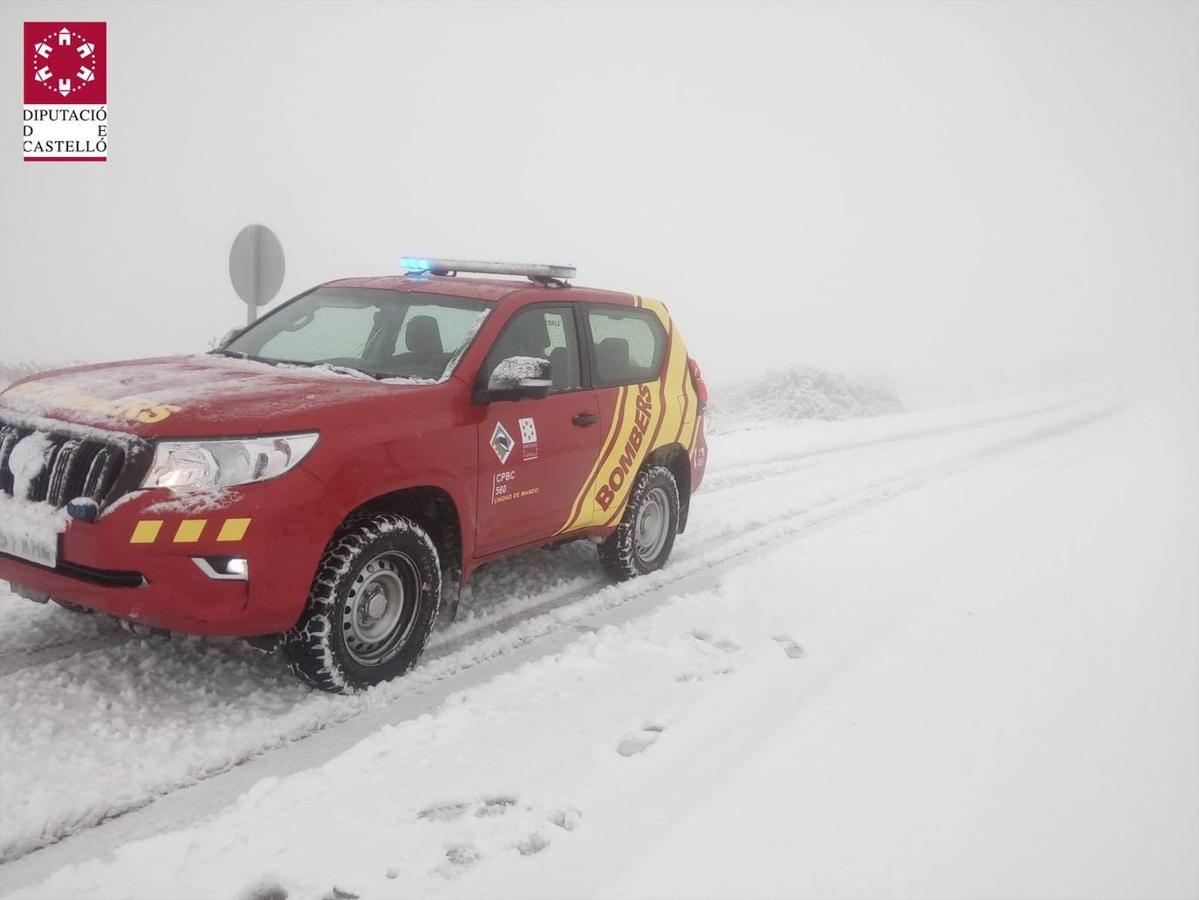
(256, 267)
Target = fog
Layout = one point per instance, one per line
(929, 193)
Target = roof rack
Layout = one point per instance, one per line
(542, 274)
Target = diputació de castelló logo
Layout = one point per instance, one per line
(66, 92)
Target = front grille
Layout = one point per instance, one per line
(76, 466)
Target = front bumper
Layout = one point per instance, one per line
(137, 560)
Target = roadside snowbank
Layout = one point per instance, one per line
(1003, 702)
(799, 393)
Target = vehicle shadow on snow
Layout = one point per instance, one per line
(49, 637)
(518, 583)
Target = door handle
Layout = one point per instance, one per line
(585, 419)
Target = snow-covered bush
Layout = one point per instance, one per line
(802, 392)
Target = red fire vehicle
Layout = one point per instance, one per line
(337, 470)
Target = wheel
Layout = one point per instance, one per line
(642, 541)
(371, 607)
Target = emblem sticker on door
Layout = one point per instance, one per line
(528, 438)
(501, 442)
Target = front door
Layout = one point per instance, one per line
(535, 455)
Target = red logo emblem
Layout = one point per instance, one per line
(65, 62)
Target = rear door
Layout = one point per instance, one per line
(535, 455)
(628, 348)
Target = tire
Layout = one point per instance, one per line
(373, 602)
(645, 536)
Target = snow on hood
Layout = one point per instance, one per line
(184, 395)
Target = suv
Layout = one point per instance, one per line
(334, 472)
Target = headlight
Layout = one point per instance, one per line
(224, 463)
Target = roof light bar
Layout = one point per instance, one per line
(543, 273)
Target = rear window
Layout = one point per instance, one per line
(628, 344)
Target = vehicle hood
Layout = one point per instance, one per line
(192, 396)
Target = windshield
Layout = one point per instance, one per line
(384, 333)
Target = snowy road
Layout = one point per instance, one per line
(94, 724)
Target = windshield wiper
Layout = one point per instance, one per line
(241, 354)
(307, 363)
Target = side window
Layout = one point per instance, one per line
(443, 328)
(628, 345)
(545, 332)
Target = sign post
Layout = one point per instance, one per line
(256, 267)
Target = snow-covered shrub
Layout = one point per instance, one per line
(802, 392)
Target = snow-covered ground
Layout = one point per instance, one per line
(948, 653)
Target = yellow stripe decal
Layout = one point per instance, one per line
(146, 531)
(667, 415)
(233, 530)
(580, 510)
(189, 531)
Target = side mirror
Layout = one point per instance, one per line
(229, 335)
(520, 378)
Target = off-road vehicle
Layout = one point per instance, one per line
(335, 472)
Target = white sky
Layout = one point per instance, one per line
(912, 190)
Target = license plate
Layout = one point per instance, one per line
(29, 543)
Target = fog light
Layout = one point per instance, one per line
(224, 568)
(83, 509)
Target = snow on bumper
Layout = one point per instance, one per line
(137, 561)
(30, 530)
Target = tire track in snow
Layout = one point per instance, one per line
(724, 479)
(501, 642)
(44, 654)
(787, 463)
(721, 479)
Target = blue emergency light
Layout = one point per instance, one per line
(543, 274)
